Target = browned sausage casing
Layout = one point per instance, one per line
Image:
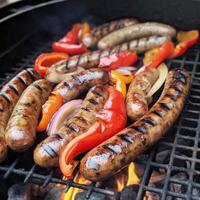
(114, 154)
(9, 96)
(91, 39)
(91, 59)
(78, 83)
(136, 101)
(134, 32)
(46, 153)
(21, 128)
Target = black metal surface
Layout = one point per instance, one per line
(21, 54)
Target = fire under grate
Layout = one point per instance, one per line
(182, 144)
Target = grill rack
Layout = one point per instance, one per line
(190, 115)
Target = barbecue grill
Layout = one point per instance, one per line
(27, 32)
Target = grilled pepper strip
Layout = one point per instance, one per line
(83, 28)
(121, 81)
(117, 60)
(111, 119)
(53, 103)
(45, 60)
(185, 39)
(71, 37)
(155, 57)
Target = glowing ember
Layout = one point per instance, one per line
(71, 193)
(121, 180)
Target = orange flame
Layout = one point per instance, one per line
(132, 178)
(71, 193)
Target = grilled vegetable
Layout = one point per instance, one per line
(111, 119)
(186, 40)
(46, 60)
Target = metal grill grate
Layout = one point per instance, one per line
(187, 128)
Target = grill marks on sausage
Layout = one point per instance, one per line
(30, 73)
(165, 106)
(21, 80)
(172, 96)
(158, 113)
(126, 138)
(49, 150)
(141, 129)
(5, 97)
(93, 101)
(37, 86)
(149, 121)
(73, 127)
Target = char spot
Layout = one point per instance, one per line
(144, 140)
(140, 129)
(96, 93)
(180, 76)
(158, 113)
(113, 148)
(49, 150)
(37, 86)
(21, 80)
(1, 108)
(179, 90)
(85, 109)
(172, 97)
(73, 128)
(5, 97)
(126, 138)
(77, 79)
(92, 101)
(12, 87)
(81, 119)
(78, 59)
(58, 136)
(66, 85)
(149, 121)
(164, 106)
(67, 64)
(30, 73)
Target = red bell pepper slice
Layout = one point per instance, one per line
(46, 60)
(111, 119)
(71, 37)
(117, 60)
(69, 48)
(186, 40)
(159, 54)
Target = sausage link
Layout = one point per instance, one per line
(91, 59)
(134, 32)
(136, 101)
(78, 83)
(46, 153)
(91, 39)
(9, 96)
(117, 152)
(21, 129)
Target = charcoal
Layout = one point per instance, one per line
(54, 194)
(19, 192)
(152, 195)
(196, 192)
(163, 156)
(129, 192)
(93, 196)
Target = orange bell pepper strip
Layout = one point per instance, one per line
(84, 28)
(53, 103)
(186, 40)
(46, 60)
(155, 57)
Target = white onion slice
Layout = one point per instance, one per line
(163, 72)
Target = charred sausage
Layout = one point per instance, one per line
(114, 154)
(21, 128)
(46, 153)
(91, 39)
(78, 83)
(9, 96)
(136, 101)
(91, 59)
(134, 32)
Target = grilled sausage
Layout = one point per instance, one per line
(78, 83)
(134, 32)
(9, 96)
(46, 153)
(136, 101)
(114, 154)
(91, 59)
(91, 39)
(21, 128)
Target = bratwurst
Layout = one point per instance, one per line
(46, 153)
(134, 32)
(9, 96)
(136, 101)
(117, 152)
(21, 129)
(91, 39)
(91, 59)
